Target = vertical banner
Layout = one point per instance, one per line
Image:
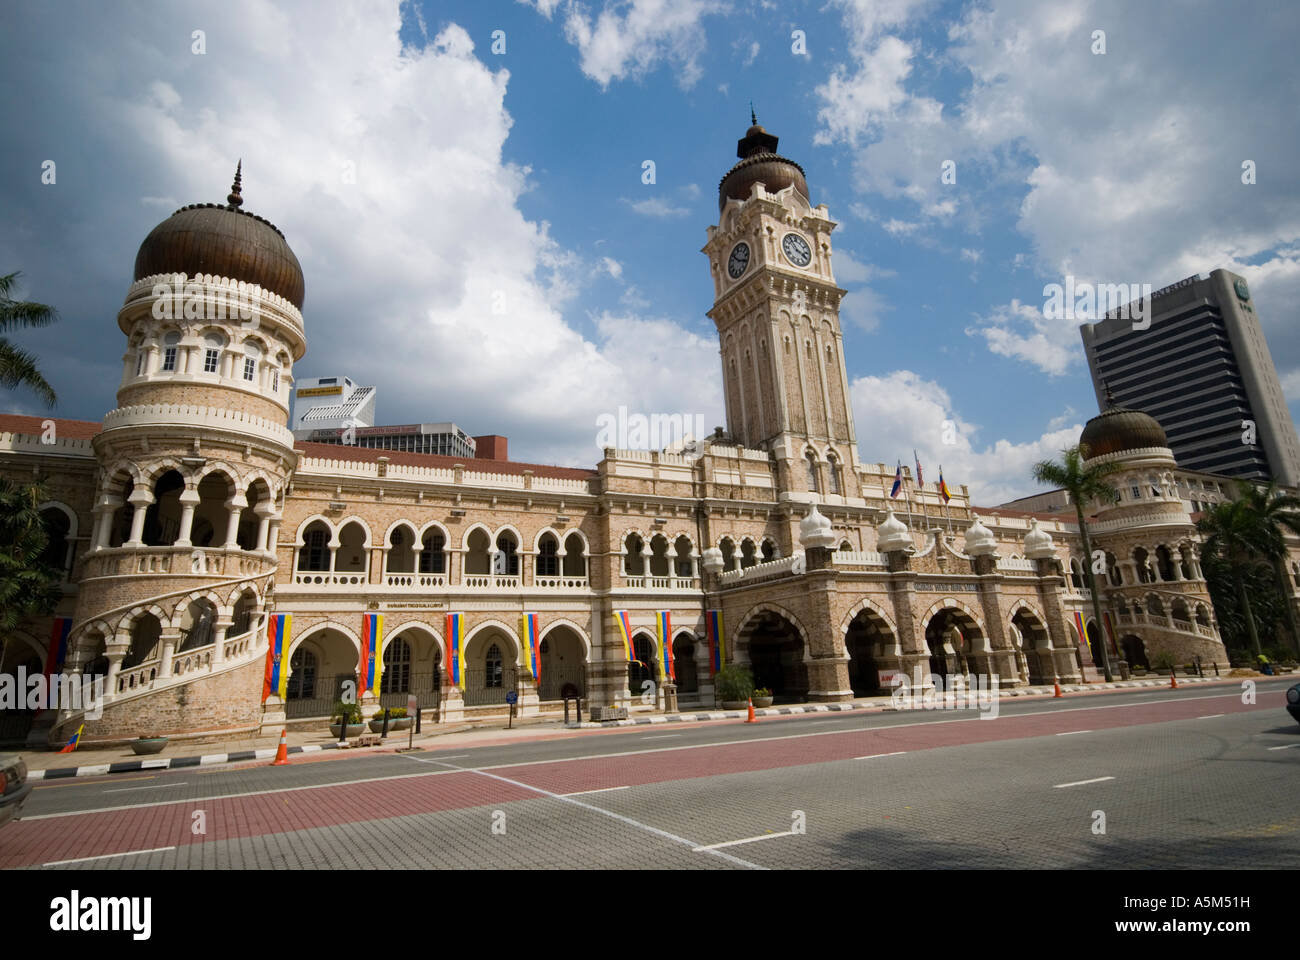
(664, 624)
(455, 655)
(625, 632)
(713, 633)
(372, 652)
(278, 627)
(528, 633)
(58, 649)
(1083, 635)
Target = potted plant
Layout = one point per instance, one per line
(349, 713)
(397, 720)
(143, 746)
(762, 697)
(1164, 661)
(734, 686)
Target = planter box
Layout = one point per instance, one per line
(354, 730)
(763, 701)
(608, 713)
(147, 745)
(735, 704)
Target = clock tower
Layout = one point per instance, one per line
(776, 308)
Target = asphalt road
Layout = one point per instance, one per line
(1188, 778)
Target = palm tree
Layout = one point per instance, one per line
(28, 586)
(17, 366)
(1250, 530)
(1084, 485)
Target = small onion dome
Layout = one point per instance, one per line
(759, 163)
(1117, 429)
(711, 560)
(1038, 543)
(225, 241)
(815, 530)
(893, 535)
(980, 541)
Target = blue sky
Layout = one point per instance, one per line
(516, 178)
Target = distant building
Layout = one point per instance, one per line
(443, 439)
(1203, 370)
(329, 403)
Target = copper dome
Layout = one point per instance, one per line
(225, 241)
(1118, 429)
(760, 163)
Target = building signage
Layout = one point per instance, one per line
(947, 587)
(320, 392)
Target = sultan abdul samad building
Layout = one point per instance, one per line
(189, 522)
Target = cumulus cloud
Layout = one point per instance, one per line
(901, 411)
(1023, 332)
(631, 39)
(384, 168)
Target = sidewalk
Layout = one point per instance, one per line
(92, 762)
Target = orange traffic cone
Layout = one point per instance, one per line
(751, 718)
(1173, 681)
(282, 755)
(1057, 685)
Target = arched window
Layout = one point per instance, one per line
(302, 675)
(57, 528)
(252, 354)
(811, 459)
(507, 558)
(633, 562)
(768, 551)
(548, 560)
(728, 554)
(492, 671)
(834, 473)
(575, 563)
(432, 557)
(212, 345)
(171, 344)
(315, 554)
(397, 667)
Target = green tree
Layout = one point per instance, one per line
(29, 587)
(1084, 485)
(1243, 534)
(17, 366)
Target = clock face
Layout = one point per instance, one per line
(738, 262)
(796, 249)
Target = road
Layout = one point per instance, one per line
(1188, 778)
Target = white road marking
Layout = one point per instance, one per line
(896, 753)
(157, 786)
(1070, 733)
(603, 812)
(1235, 695)
(579, 793)
(736, 843)
(1211, 716)
(1080, 783)
(1285, 746)
(105, 856)
(662, 736)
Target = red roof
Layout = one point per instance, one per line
(334, 451)
(1009, 512)
(35, 426)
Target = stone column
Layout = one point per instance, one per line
(115, 650)
(234, 505)
(189, 499)
(223, 623)
(168, 639)
(107, 511)
(828, 666)
(265, 512)
(141, 499)
(273, 534)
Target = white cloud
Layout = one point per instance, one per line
(974, 256)
(1021, 331)
(635, 37)
(901, 411)
(657, 207)
(404, 288)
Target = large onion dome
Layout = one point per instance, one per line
(1117, 429)
(759, 163)
(224, 241)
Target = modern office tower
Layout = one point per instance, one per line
(1203, 370)
(327, 403)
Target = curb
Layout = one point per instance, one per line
(170, 763)
(882, 707)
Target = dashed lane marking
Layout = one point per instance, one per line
(1080, 783)
(105, 856)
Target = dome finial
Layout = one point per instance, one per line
(1110, 397)
(753, 119)
(234, 199)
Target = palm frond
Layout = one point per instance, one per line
(18, 369)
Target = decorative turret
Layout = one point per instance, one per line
(1038, 543)
(980, 541)
(893, 535)
(815, 531)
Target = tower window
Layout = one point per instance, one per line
(275, 381)
(250, 368)
(139, 363)
(811, 460)
(210, 358)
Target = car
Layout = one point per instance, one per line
(1293, 702)
(14, 787)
